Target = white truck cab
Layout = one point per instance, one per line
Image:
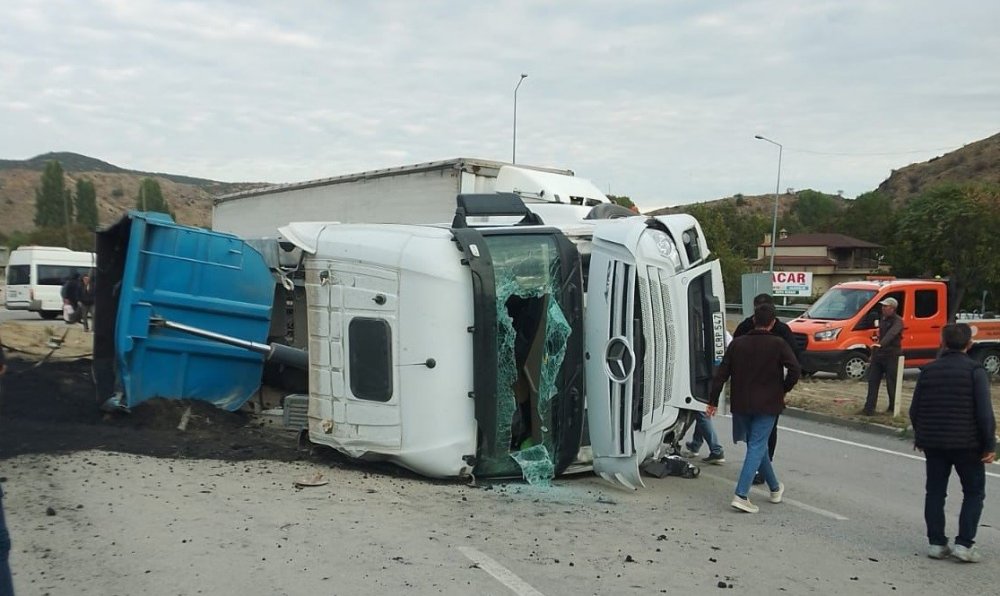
(457, 350)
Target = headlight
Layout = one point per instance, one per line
(828, 335)
(664, 244)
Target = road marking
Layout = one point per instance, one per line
(863, 446)
(792, 502)
(499, 572)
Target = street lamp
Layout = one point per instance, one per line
(777, 187)
(513, 152)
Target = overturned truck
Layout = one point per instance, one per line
(451, 350)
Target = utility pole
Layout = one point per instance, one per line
(513, 152)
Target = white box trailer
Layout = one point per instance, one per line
(414, 194)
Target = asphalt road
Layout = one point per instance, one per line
(17, 315)
(851, 524)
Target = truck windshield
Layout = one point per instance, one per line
(839, 304)
(532, 336)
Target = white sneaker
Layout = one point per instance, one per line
(966, 554)
(938, 551)
(744, 504)
(776, 495)
(688, 454)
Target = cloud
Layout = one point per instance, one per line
(657, 100)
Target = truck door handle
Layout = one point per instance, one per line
(935, 326)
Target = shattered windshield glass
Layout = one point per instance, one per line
(532, 333)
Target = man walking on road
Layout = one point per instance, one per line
(761, 369)
(954, 425)
(782, 330)
(6, 585)
(885, 356)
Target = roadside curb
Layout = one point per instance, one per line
(870, 427)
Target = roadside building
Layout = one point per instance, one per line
(831, 258)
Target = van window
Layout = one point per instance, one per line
(925, 304)
(57, 275)
(839, 304)
(18, 275)
(371, 359)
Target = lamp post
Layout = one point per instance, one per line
(513, 152)
(777, 189)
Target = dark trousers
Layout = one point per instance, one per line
(883, 363)
(772, 441)
(83, 314)
(6, 582)
(972, 473)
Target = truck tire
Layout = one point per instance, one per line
(49, 315)
(990, 359)
(854, 366)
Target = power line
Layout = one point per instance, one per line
(794, 150)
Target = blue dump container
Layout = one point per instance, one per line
(149, 267)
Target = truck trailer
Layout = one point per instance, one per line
(422, 193)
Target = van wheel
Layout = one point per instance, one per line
(49, 315)
(853, 366)
(990, 359)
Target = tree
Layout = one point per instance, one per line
(816, 211)
(869, 217)
(51, 208)
(950, 231)
(622, 200)
(86, 204)
(150, 197)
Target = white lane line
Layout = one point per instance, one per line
(499, 572)
(792, 502)
(863, 446)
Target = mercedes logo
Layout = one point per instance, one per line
(619, 359)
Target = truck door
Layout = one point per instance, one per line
(922, 335)
(353, 356)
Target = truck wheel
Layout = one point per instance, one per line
(853, 366)
(49, 315)
(990, 359)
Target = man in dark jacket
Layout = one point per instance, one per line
(6, 585)
(782, 330)
(954, 425)
(86, 303)
(761, 369)
(885, 356)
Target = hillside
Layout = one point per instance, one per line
(760, 205)
(975, 162)
(190, 198)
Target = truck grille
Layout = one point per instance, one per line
(624, 411)
(801, 341)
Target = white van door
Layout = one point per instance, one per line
(353, 355)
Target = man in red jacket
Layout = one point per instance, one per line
(761, 368)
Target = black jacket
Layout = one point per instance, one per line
(755, 364)
(951, 406)
(781, 329)
(86, 293)
(890, 333)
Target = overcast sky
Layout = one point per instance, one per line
(659, 100)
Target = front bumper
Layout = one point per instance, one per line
(822, 361)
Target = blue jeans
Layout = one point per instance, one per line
(758, 427)
(972, 472)
(704, 432)
(6, 582)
